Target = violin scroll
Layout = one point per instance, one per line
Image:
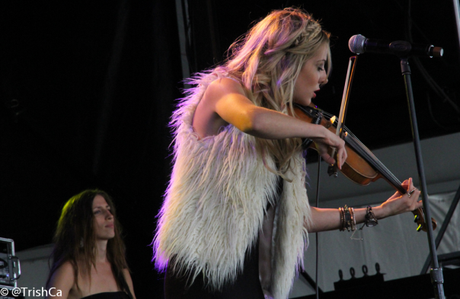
(420, 220)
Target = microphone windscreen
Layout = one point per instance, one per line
(356, 43)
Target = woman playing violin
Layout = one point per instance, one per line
(236, 215)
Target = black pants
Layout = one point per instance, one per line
(246, 286)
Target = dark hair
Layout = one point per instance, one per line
(74, 240)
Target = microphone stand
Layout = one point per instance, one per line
(435, 272)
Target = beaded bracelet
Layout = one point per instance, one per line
(347, 218)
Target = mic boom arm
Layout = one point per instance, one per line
(359, 44)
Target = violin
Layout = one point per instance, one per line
(361, 166)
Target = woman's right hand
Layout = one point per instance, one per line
(331, 140)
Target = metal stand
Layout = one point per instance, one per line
(443, 228)
(435, 272)
(316, 283)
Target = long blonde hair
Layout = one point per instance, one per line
(268, 60)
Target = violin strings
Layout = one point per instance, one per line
(365, 153)
(356, 145)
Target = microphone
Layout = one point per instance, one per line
(358, 44)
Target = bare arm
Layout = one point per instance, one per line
(329, 219)
(62, 281)
(225, 102)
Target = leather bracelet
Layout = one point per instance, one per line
(342, 219)
(370, 219)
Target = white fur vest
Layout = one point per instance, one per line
(215, 202)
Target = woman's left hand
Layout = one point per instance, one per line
(402, 203)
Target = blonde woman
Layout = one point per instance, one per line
(237, 190)
(89, 254)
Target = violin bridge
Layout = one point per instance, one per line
(332, 119)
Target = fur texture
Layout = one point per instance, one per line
(215, 201)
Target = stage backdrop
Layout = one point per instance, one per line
(87, 89)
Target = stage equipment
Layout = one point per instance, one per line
(374, 287)
(435, 271)
(358, 44)
(10, 266)
(356, 282)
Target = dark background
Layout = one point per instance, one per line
(87, 88)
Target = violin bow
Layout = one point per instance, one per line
(332, 169)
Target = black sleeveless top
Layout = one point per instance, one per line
(108, 295)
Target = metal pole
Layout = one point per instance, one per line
(436, 272)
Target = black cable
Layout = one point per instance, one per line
(317, 233)
(425, 74)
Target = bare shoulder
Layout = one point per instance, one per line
(222, 103)
(65, 271)
(224, 86)
(63, 279)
